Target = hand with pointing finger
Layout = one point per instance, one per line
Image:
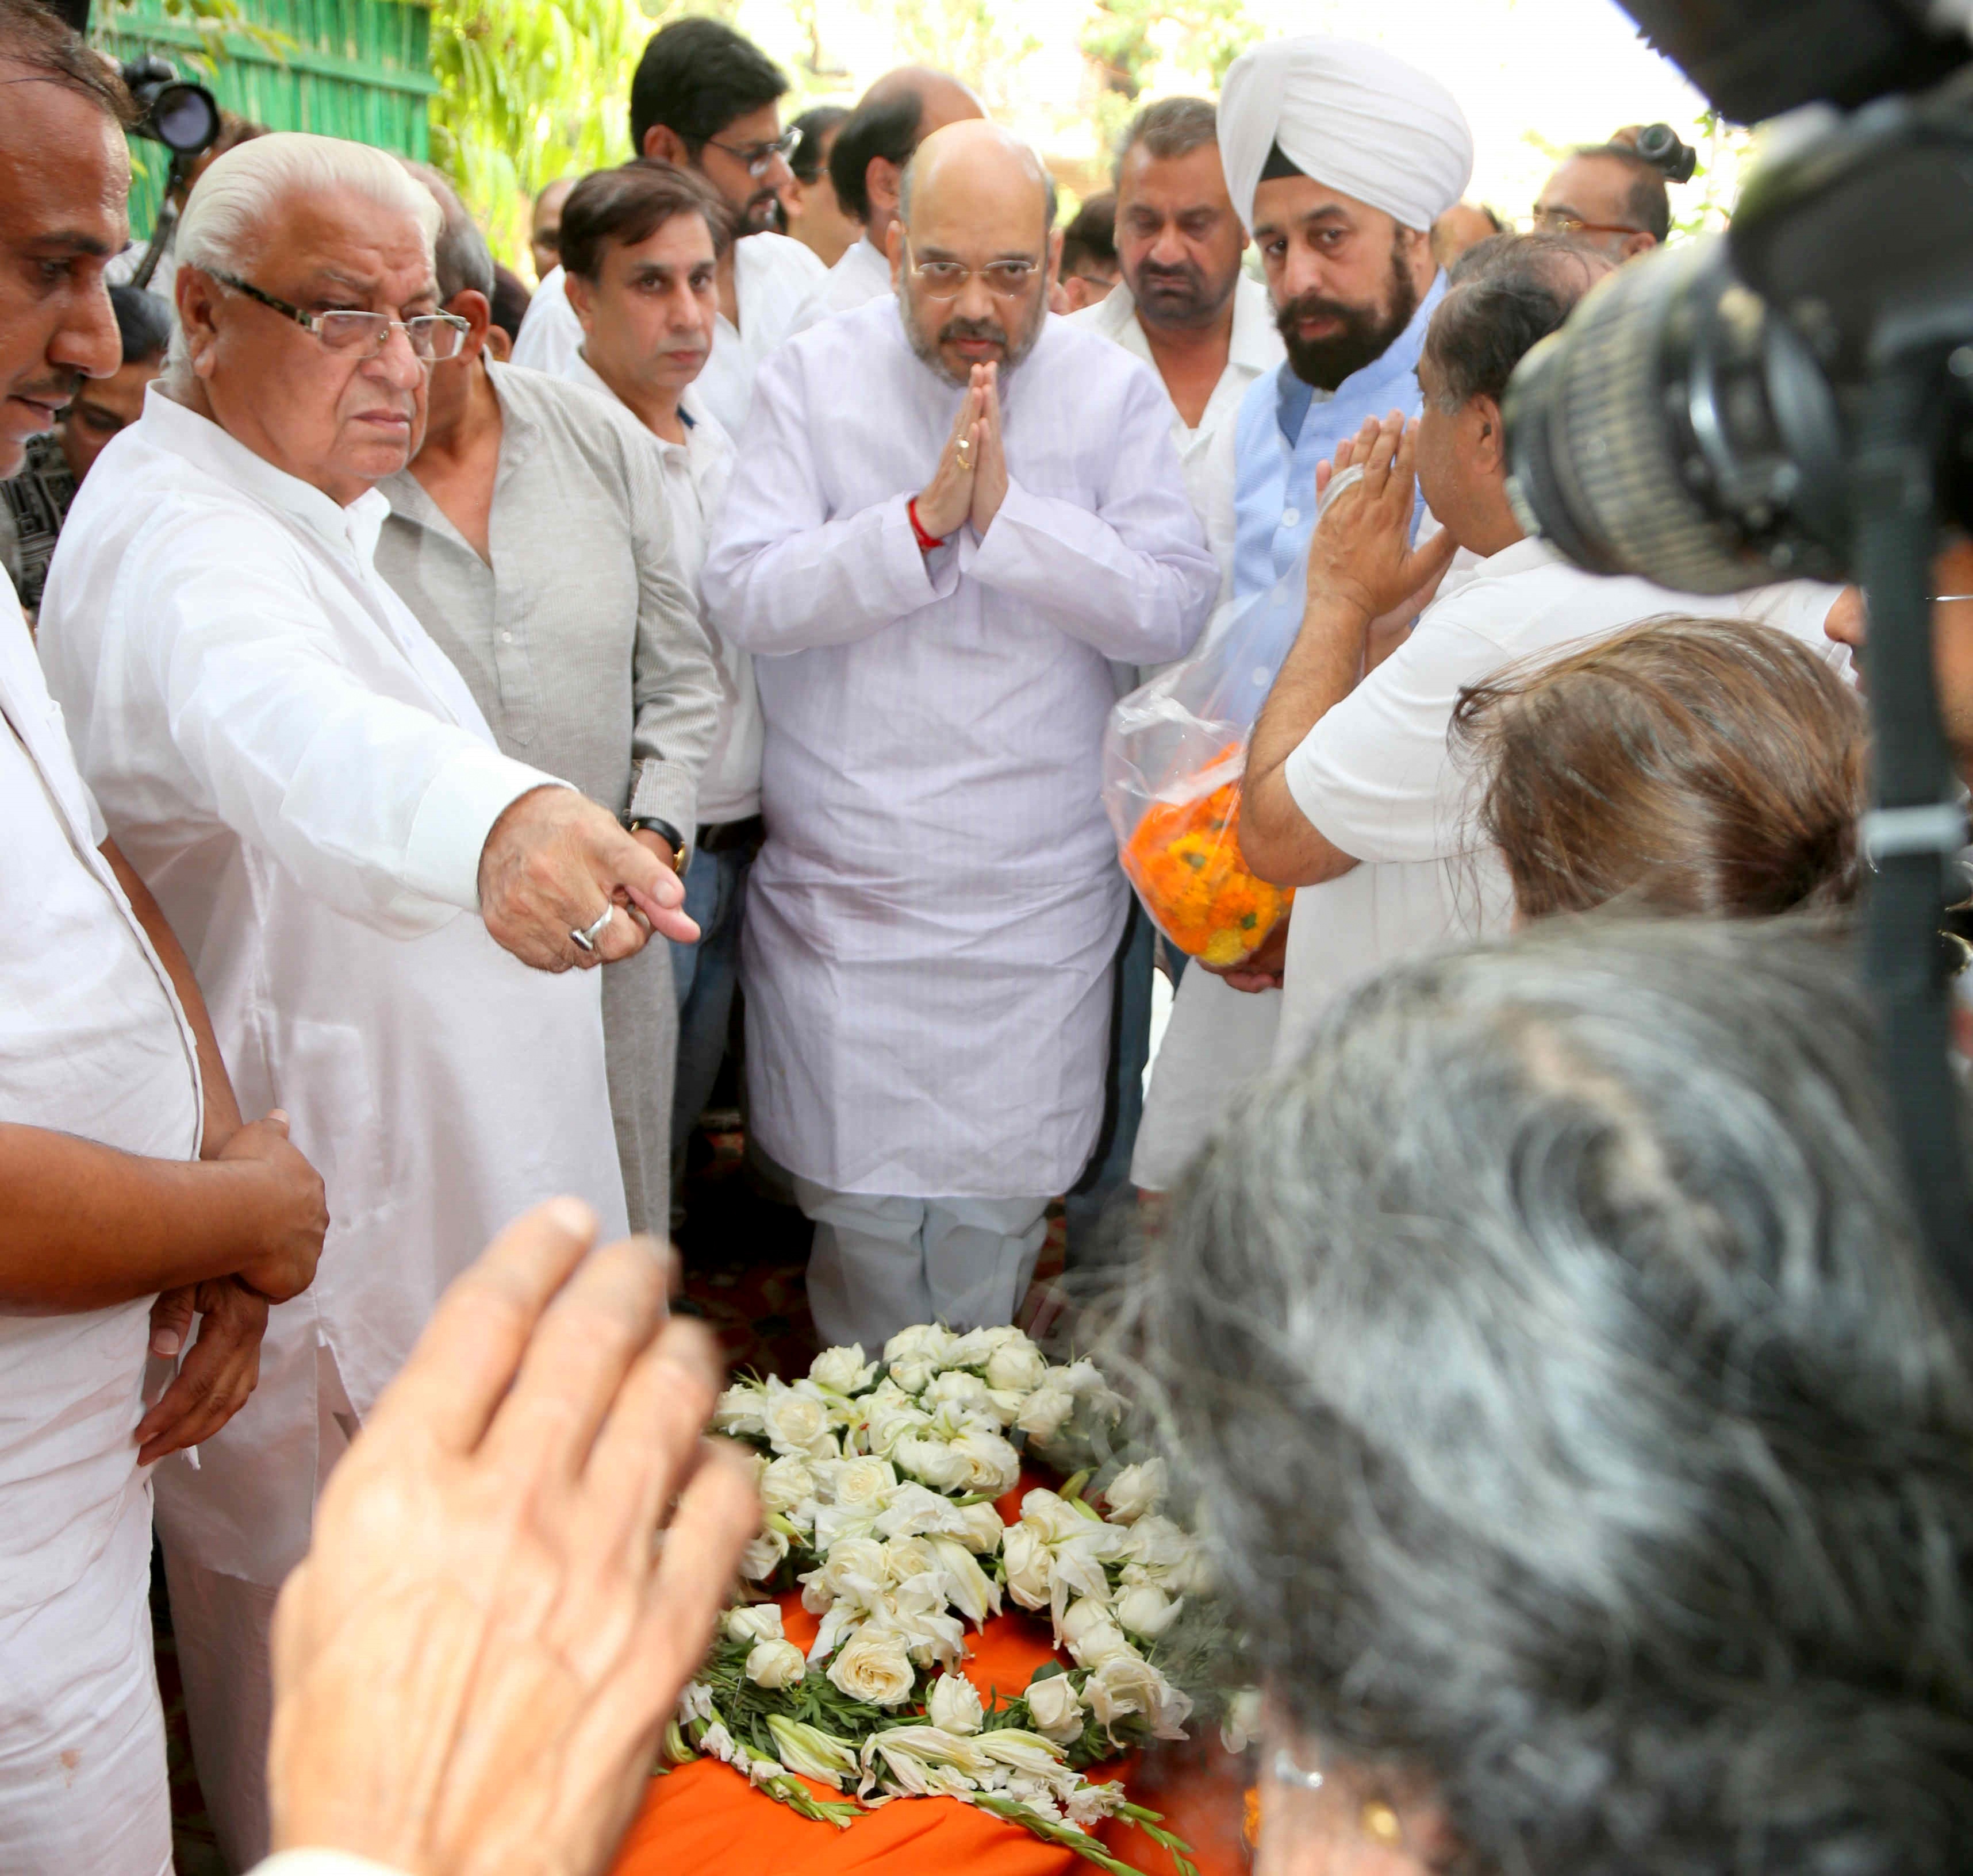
(556, 864)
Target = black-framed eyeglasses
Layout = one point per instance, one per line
(759, 157)
(432, 337)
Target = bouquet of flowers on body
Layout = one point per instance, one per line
(879, 1481)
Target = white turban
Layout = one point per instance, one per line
(1351, 116)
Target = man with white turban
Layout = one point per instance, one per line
(1338, 157)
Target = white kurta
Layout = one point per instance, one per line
(306, 783)
(772, 276)
(930, 924)
(862, 273)
(92, 1042)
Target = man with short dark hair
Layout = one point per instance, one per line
(531, 535)
(544, 230)
(707, 99)
(815, 218)
(866, 162)
(1609, 198)
(953, 511)
(34, 500)
(642, 247)
(1352, 793)
(1088, 269)
(135, 1199)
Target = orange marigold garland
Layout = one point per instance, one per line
(1184, 856)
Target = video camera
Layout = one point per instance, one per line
(1795, 397)
(184, 117)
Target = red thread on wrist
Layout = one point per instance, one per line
(926, 541)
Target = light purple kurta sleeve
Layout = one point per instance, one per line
(782, 576)
(1134, 578)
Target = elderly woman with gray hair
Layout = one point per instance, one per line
(1586, 1438)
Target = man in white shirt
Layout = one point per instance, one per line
(1186, 307)
(361, 878)
(642, 248)
(930, 924)
(706, 100)
(135, 1199)
(1352, 793)
(866, 163)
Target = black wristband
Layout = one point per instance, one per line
(649, 823)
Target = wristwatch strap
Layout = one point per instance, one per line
(664, 831)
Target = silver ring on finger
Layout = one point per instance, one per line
(585, 940)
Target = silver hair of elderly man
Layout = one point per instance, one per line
(236, 199)
(1581, 1427)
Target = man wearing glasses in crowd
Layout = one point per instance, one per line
(1608, 197)
(360, 877)
(706, 100)
(950, 511)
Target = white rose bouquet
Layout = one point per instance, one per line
(879, 1482)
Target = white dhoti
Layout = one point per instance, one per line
(1218, 1039)
(882, 1264)
(82, 1734)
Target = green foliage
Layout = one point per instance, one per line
(530, 90)
(1126, 39)
(1725, 152)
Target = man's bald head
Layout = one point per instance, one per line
(980, 166)
(942, 99)
(974, 249)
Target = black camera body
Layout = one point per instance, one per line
(1795, 397)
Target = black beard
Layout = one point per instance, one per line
(1367, 334)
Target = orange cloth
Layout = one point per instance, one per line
(704, 1819)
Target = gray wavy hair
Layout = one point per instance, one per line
(1577, 1418)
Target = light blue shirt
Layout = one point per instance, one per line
(1283, 432)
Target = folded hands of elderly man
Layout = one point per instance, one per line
(514, 1570)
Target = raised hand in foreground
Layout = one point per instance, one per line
(474, 1662)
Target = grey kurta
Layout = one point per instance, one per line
(582, 646)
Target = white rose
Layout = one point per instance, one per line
(858, 1484)
(1241, 1726)
(873, 1666)
(957, 1386)
(888, 1420)
(906, 1557)
(1147, 1611)
(1004, 1404)
(1052, 1516)
(738, 1410)
(755, 1621)
(776, 1664)
(992, 1464)
(762, 1557)
(914, 1372)
(1029, 1576)
(854, 1571)
(1136, 1490)
(1046, 1413)
(795, 1421)
(1017, 1364)
(1055, 1710)
(1123, 1684)
(1101, 1642)
(975, 1348)
(928, 1341)
(842, 1370)
(954, 1707)
(979, 1528)
(1084, 1614)
(787, 1483)
(935, 1462)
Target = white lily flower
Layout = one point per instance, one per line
(694, 1702)
(969, 1590)
(813, 1752)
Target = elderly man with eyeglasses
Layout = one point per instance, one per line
(950, 511)
(382, 909)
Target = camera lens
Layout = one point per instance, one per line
(1674, 429)
(185, 117)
